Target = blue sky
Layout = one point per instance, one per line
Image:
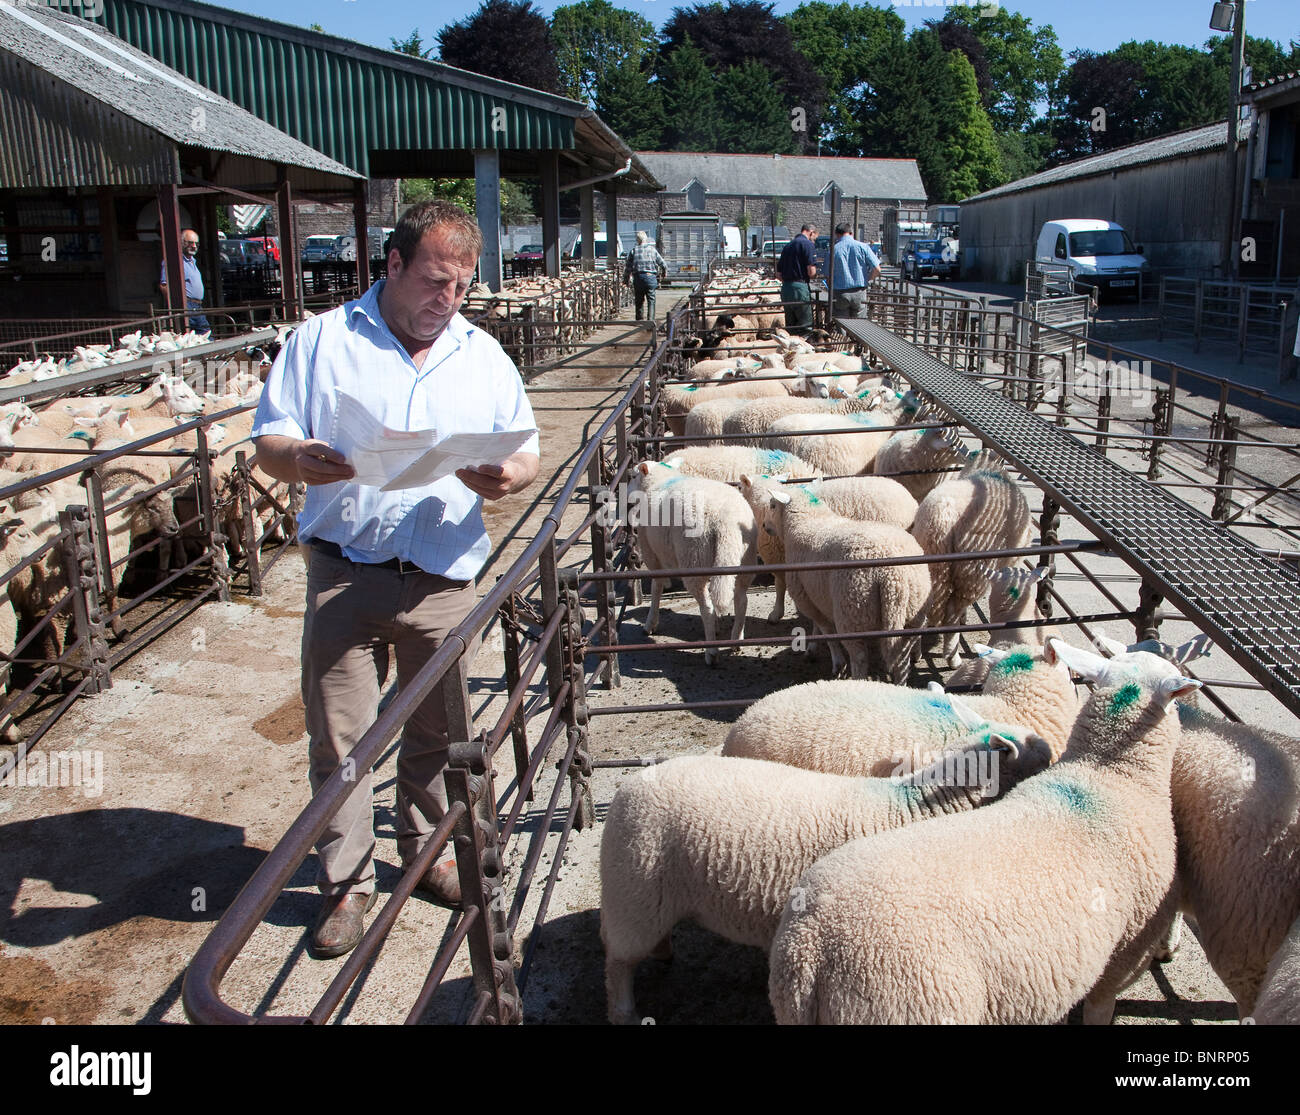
(1090, 24)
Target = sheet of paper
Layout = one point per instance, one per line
(375, 451)
(460, 451)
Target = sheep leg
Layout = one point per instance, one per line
(739, 607)
(664, 949)
(859, 658)
(709, 615)
(1099, 1011)
(652, 619)
(620, 1002)
(1169, 941)
(778, 609)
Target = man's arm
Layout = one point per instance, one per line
(512, 475)
(301, 461)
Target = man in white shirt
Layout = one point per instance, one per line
(389, 567)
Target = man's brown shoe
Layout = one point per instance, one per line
(341, 923)
(441, 884)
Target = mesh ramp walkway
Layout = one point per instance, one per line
(1248, 604)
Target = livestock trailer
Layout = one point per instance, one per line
(689, 242)
(900, 226)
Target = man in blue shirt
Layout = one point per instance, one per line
(856, 266)
(193, 280)
(796, 269)
(389, 567)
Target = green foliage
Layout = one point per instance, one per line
(413, 45)
(1023, 153)
(517, 202)
(847, 45)
(752, 119)
(506, 39)
(690, 103)
(971, 157)
(630, 103)
(1024, 62)
(593, 39)
(315, 27)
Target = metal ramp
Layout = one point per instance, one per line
(1249, 605)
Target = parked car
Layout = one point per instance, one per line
(822, 254)
(345, 246)
(1101, 255)
(772, 249)
(530, 253)
(931, 258)
(317, 249)
(270, 245)
(242, 253)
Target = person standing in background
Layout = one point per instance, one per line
(644, 263)
(193, 280)
(797, 267)
(856, 267)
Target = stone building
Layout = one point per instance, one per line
(799, 185)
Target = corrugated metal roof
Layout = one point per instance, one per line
(340, 96)
(1177, 145)
(787, 175)
(1270, 84)
(81, 78)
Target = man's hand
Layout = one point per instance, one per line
(318, 462)
(513, 474)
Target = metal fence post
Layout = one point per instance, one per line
(1227, 469)
(575, 712)
(1159, 429)
(214, 538)
(1212, 451)
(1147, 620)
(510, 652)
(1049, 524)
(79, 570)
(550, 587)
(478, 863)
(249, 523)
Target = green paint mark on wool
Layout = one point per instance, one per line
(692, 388)
(1077, 799)
(1015, 663)
(1123, 698)
(1013, 592)
(991, 474)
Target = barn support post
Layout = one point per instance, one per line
(587, 206)
(487, 202)
(169, 229)
(549, 167)
(360, 220)
(290, 285)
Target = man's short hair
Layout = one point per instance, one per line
(460, 229)
(842, 230)
(641, 237)
(807, 228)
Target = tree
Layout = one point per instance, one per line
(845, 44)
(746, 29)
(630, 103)
(1180, 87)
(315, 27)
(506, 39)
(1023, 153)
(690, 107)
(1100, 105)
(1024, 62)
(895, 112)
(412, 45)
(970, 151)
(517, 205)
(955, 35)
(751, 117)
(593, 39)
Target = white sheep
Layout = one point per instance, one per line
(1278, 1003)
(1013, 913)
(870, 598)
(870, 499)
(722, 841)
(678, 400)
(728, 463)
(926, 454)
(1013, 597)
(983, 509)
(850, 452)
(758, 415)
(856, 727)
(690, 522)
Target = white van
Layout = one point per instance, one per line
(345, 246)
(602, 244)
(1100, 254)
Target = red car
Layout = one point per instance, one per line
(269, 244)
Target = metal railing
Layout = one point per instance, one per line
(1250, 317)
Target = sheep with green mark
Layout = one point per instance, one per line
(728, 463)
(942, 923)
(1236, 806)
(927, 454)
(677, 400)
(881, 597)
(982, 509)
(722, 841)
(1013, 597)
(759, 415)
(851, 452)
(859, 727)
(869, 499)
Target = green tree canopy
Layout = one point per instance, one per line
(751, 116)
(592, 39)
(972, 161)
(633, 105)
(690, 101)
(413, 45)
(506, 39)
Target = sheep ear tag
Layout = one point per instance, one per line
(993, 654)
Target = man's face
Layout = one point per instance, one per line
(190, 244)
(811, 234)
(423, 295)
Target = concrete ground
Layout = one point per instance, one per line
(104, 898)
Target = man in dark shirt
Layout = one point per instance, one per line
(796, 268)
